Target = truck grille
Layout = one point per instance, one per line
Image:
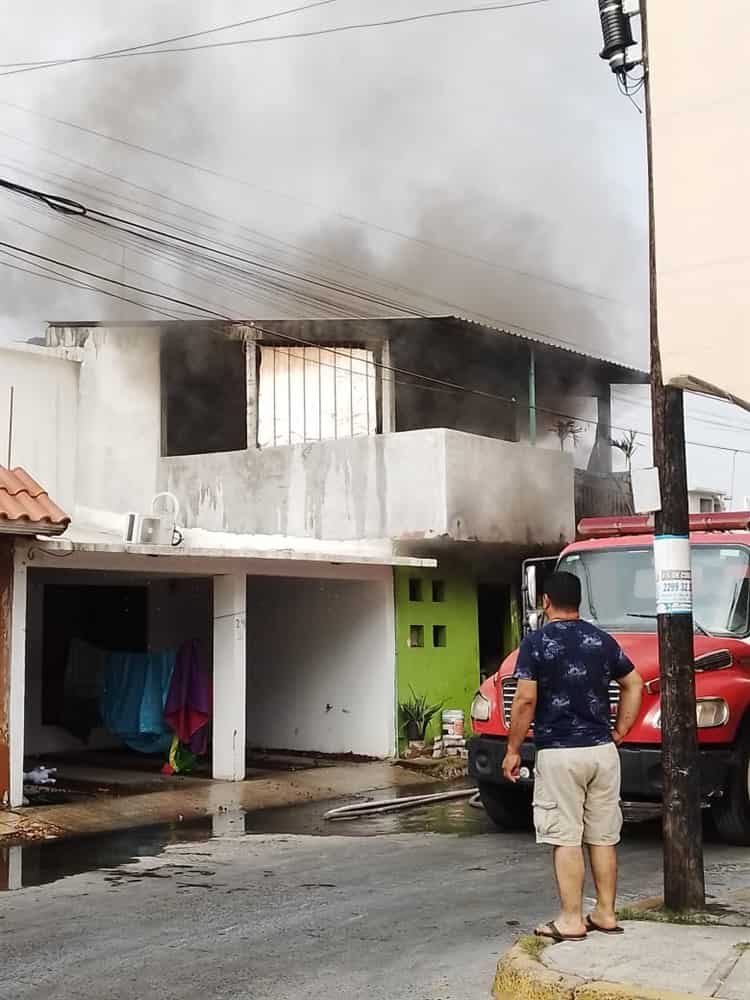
(510, 685)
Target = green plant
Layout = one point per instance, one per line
(628, 445)
(566, 430)
(417, 714)
(532, 946)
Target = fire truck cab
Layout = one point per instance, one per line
(613, 559)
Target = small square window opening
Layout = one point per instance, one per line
(415, 589)
(439, 635)
(438, 591)
(416, 636)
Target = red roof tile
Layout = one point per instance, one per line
(25, 504)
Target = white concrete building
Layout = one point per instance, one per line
(311, 462)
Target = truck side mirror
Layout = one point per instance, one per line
(531, 586)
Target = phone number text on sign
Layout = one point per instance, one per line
(674, 582)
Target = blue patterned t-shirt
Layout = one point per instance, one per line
(573, 663)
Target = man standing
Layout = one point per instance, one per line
(564, 671)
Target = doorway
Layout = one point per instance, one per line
(496, 632)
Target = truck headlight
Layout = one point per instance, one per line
(480, 708)
(710, 713)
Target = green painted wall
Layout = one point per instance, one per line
(442, 673)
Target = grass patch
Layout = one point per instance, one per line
(662, 916)
(532, 946)
(743, 947)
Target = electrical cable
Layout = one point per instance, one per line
(454, 387)
(345, 217)
(75, 209)
(445, 385)
(262, 40)
(46, 63)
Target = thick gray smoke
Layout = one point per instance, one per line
(500, 136)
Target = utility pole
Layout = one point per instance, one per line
(684, 882)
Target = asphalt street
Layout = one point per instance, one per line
(282, 906)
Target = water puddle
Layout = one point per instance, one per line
(43, 863)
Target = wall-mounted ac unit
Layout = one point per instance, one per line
(149, 529)
(157, 528)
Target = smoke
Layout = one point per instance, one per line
(498, 136)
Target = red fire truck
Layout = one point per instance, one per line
(613, 559)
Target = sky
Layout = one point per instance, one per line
(483, 164)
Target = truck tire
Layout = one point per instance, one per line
(508, 807)
(731, 813)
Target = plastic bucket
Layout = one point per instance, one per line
(453, 722)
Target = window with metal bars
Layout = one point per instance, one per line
(315, 394)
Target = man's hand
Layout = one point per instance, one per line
(617, 738)
(512, 766)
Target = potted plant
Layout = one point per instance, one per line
(416, 715)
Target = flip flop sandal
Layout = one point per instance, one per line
(553, 933)
(591, 926)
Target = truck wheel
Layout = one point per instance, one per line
(731, 813)
(507, 807)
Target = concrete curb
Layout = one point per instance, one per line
(521, 976)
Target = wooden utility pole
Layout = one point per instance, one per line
(684, 882)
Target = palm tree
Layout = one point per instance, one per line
(628, 445)
(566, 429)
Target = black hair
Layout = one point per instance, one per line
(564, 591)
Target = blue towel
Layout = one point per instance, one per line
(135, 692)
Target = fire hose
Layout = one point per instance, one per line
(361, 809)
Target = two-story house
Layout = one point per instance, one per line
(353, 500)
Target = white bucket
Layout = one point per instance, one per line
(453, 722)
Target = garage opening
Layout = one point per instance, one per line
(103, 650)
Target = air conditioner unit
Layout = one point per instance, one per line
(149, 529)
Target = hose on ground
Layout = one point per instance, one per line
(360, 809)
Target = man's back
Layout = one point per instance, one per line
(572, 662)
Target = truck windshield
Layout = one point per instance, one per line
(619, 590)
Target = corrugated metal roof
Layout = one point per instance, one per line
(538, 338)
(26, 507)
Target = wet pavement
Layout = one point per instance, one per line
(280, 904)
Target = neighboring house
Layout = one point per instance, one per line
(340, 483)
(25, 511)
(704, 501)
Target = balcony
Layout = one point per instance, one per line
(421, 485)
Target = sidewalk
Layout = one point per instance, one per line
(191, 800)
(653, 960)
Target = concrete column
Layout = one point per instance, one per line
(601, 454)
(11, 877)
(17, 691)
(230, 677)
(388, 390)
(250, 337)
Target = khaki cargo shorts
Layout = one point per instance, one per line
(577, 797)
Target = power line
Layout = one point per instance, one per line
(346, 217)
(699, 419)
(145, 50)
(76, 210)
(442, 383)
(72, 282)
(229, 319)
(24, 67)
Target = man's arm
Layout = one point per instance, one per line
(521, 717)
(631, 696)
(631, 692)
